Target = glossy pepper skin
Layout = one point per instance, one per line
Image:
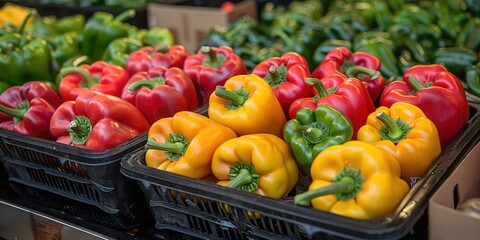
(286, 76)
(313, 130)
(406, 133)
(211, 67)
(436, 91)
(356, 180)
(96, 121)
(160, 55)
(185, 143)
(100, 76)
(361, 65)
(101, 29)
(247, 104)
(347, 95)
(161, 92)
(27, 109)
(24, 57)
(258, 163)
(118, 51)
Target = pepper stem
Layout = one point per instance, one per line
(318, 85)
(346, 185)
(150, 83)
(213, 60)
(235, 98)
(354, 71)
(124, 15)
(79, 129)
(276, 75)
(243, 176)
(25, 21)
(174, 148)
(394, 130)
(415, 84)
(16, 113)
(88, 79)
(315, 132)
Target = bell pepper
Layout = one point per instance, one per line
(406, 133)
(347, 95)
(286, 76)
(185, 143)
(313, 130)
(72, 23)
(160, 55)
(97, 121)
(161, 92)
(258, 163)
(382, 50)
(4, 86)
(325, 47)
(211, 67)
(469, 35)
(456, 59)
(27, 109)
(101, 29)
(437, 92)
(472, 78)
(247, 104)
(65, 47)
(118, 51)
(100, 76)
(361, 65)
(356, 180)
(157, 36)
(24, 57)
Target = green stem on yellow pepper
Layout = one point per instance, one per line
(174, 147)
(243, 176)
(394, 130)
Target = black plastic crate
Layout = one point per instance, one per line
(281, 219)
(79, 182)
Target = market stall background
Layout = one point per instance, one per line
(97, 188)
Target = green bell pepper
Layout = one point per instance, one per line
(469, 36)
(65, 47)
(73, 23)
(24, 58)
(101, 29)
(472, 78)
(119, 49)
(157, 35)
(314, 130)
(456, 59)
(3, 86)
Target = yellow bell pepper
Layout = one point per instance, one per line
(247, 104)
(184, 144)
(404, 131)
(257, 163)
(14, 14)
(356, 180)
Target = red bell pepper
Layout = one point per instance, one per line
(161, 92)
(97, 121)
(439, 93)
(27, 109)
(361, 65)
(100, 76)
(148, 57)
(211, 67)
(347, 95)
(286, 75)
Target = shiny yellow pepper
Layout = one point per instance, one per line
(184, 144)
(356, 180)
(406, 133)
(257, 163)
(247, 104)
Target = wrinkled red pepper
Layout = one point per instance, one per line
(161, 92)
(361, 65)
(347, 95)
(211, 67)
(100, 76)
(286, 75)
(439, 94)
(160, 55)
(27, 109)
(97, 121)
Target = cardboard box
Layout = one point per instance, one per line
(445, 221)
(190, 24)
